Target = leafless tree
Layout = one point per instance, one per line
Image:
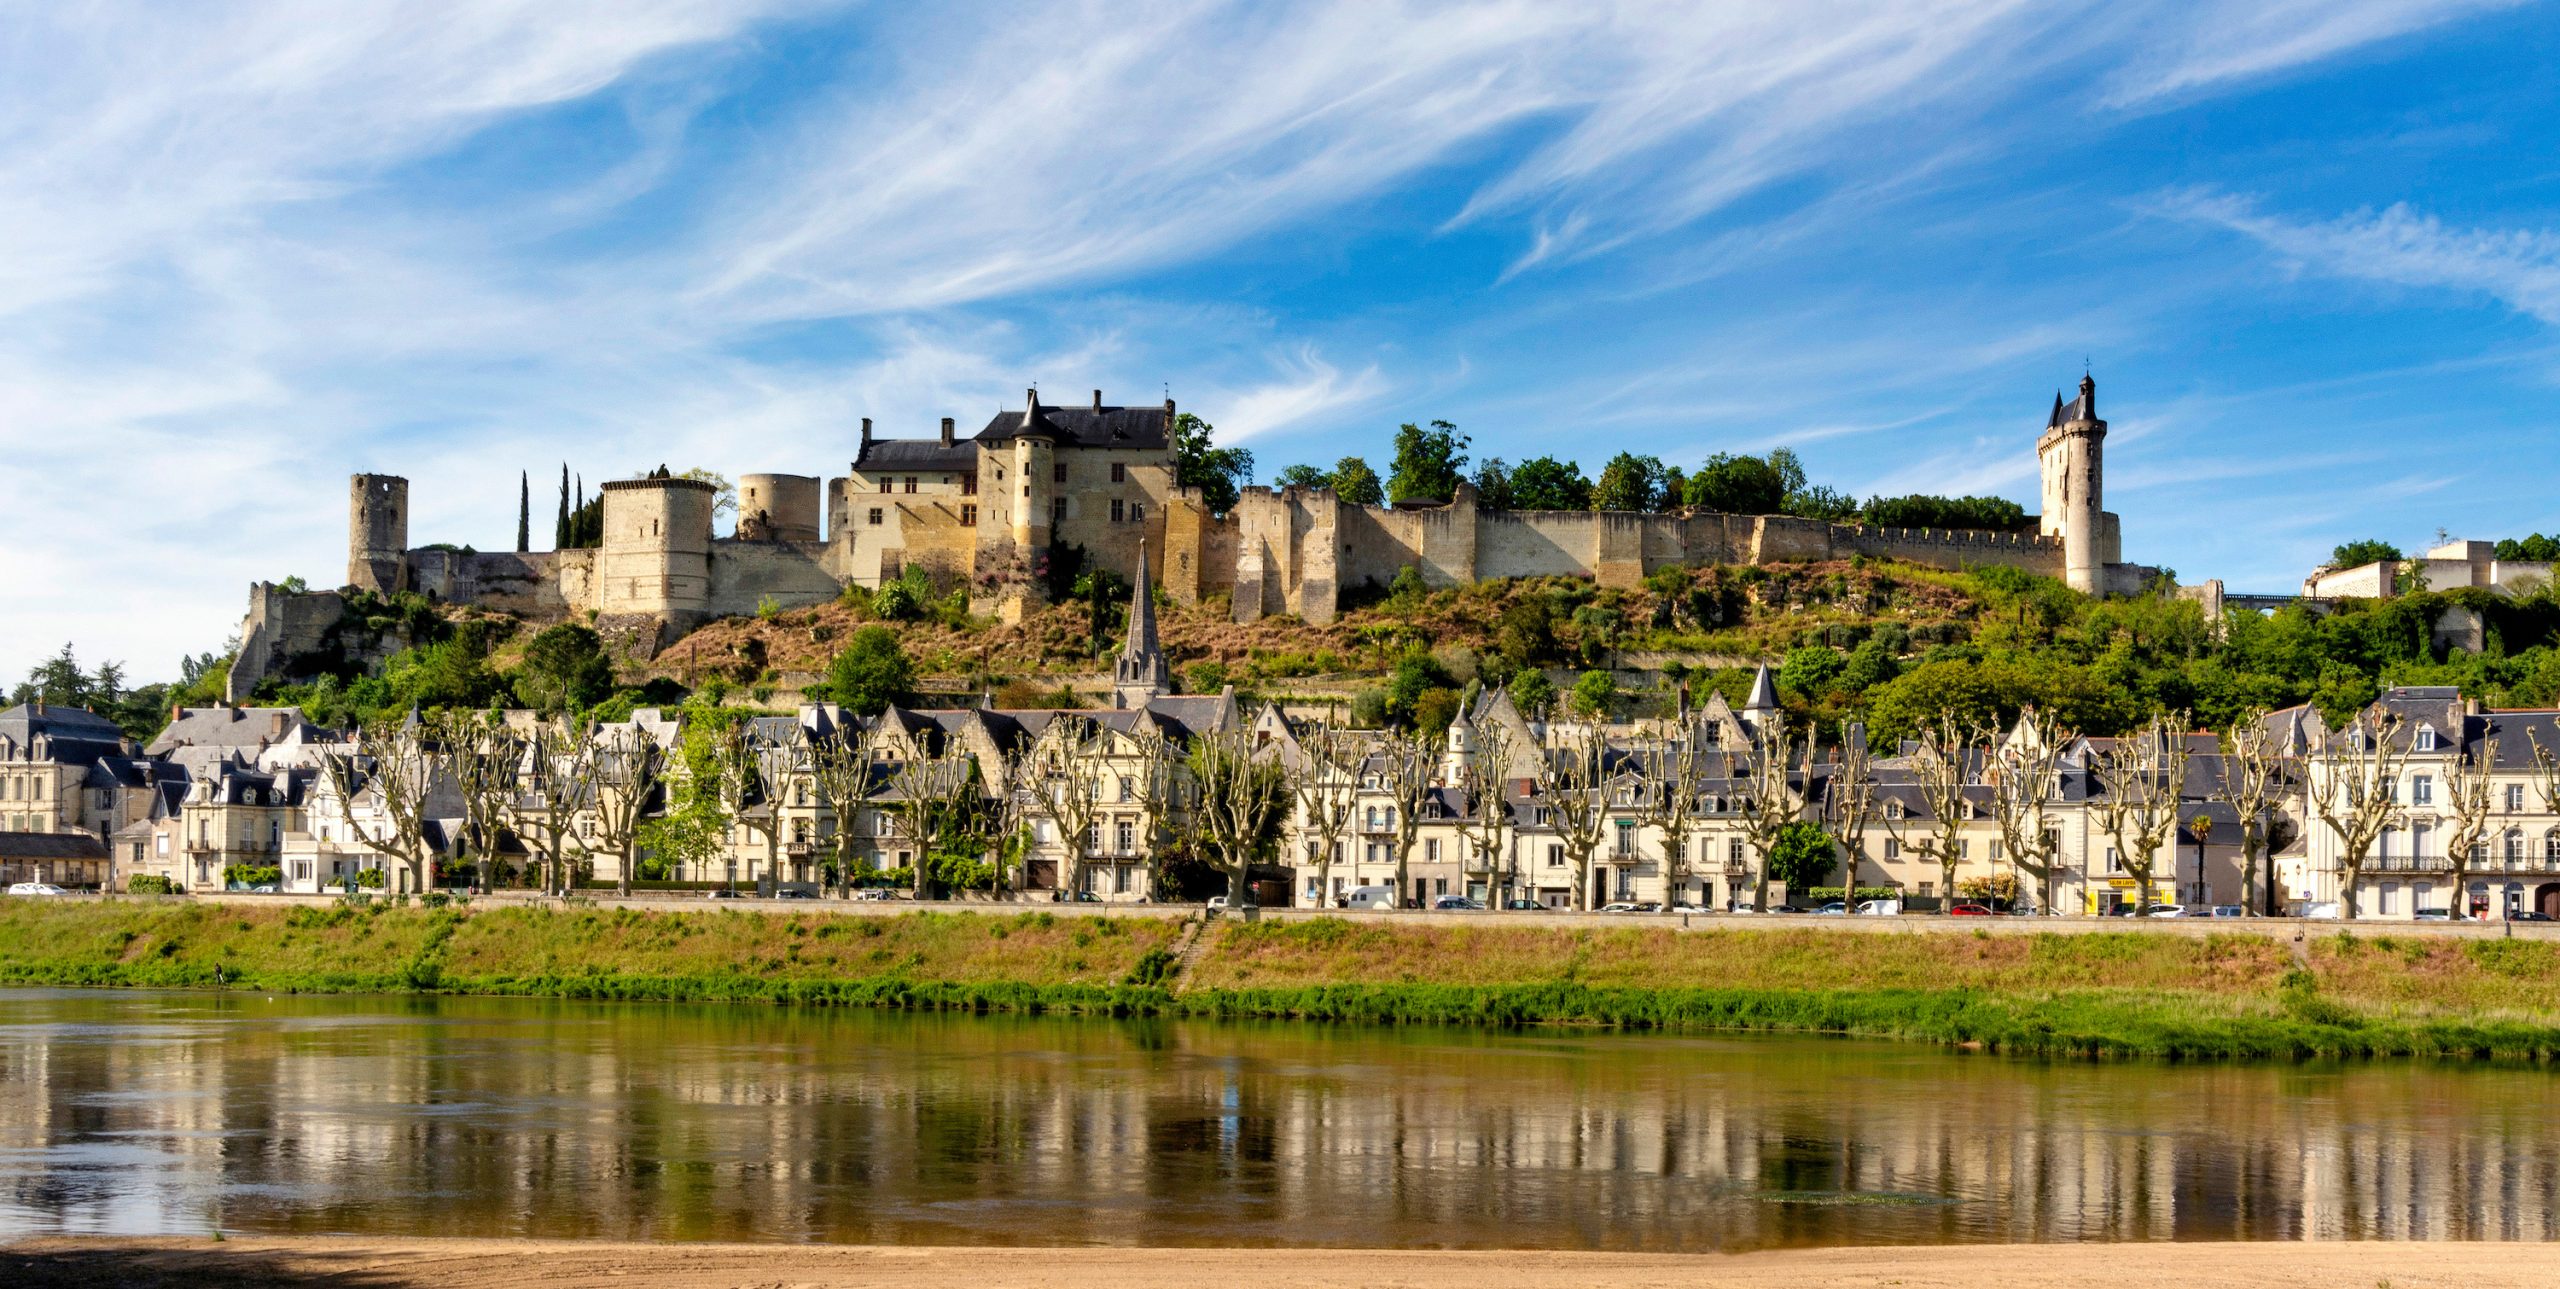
(1327, 786)
(626, 766)
(747, 779)
(1236, 803)
(555, 783)
(2466, 790)
(1407, 760)
(481, 757)
(2255, 783)
(1573, 791)
(2354, 784)
(1776, 771)
(394, 763)
(1849, 799)
(2141, 777)
(1940, 767)
(1072, 763)
(1485, 782)
(1675, 773)
(930, 797)
(2026, 788)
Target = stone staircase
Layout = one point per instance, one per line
(1188, 951)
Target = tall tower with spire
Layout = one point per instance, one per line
(2070, 456)
(1141, 675)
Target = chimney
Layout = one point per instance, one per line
(275, 726)
(866, 431)
(1097, 402)
(946, 431)
(1168, 411)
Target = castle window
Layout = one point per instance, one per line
(888, 484)
(1117, 506)
(968, 485)
(1057, 510)
(911, 483)
(1058, 472)
(1137, 512)
(1119, 472)
(875, 516)
(969, 516)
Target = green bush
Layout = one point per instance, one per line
(150, 884)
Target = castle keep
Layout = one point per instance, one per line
(1049, 481)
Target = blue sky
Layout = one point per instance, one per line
(2311, 249)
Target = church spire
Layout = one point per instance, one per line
(1141, 675)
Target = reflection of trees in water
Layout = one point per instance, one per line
(488, 1117)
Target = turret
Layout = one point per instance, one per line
(378, 533)
(2071, 458)
(656, 557)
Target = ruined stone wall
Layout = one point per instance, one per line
(281, 625)
(1954, 548)
(746, 574)
(527, 584)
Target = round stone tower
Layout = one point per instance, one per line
(656, 556)
(1035, 466)
(378, 533)
(2071, 457)
(778, 508)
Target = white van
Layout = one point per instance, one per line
(1370, 897)
(36, 888)
(1880, 908)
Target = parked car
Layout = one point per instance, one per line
(1524, 906)
(795, 893)
(724, 893)
(38, 888)
(874, 895)
(1088, 897)
(1456, 904)
(1834, 909)
(1970, 911)
(2163, 911)
(2432, 915)
(263, 888)
(1684, 906)
(1621, 906)
(1786, 908)
(2327, 912)
(1879, 908)
(1220, 902)
(2228, 911)
(2528, 915)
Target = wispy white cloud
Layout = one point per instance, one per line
(1305, 389)
(2225, 43)
(2517, 267)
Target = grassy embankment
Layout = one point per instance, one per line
(2107, 994)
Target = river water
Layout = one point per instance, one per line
(185, 1113)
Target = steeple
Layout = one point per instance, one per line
(2055, 421)
(1141, 674)
(1763, 702)
(2088, 408)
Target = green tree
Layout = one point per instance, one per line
(1417, 673)
(1738, 485)
(1531, 691)
(2357, 554)
(1493, 485)
(1302, 476)
(1998, 514)
(564, 669)
(871, 672)
(1809, 671)
(1356, 484)
(1219, 473)
(1594, 692)
(524, 511)
(1545, 483)
(1801, 856)
(1428, 462)
(1628, 482)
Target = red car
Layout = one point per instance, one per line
(1970, 911)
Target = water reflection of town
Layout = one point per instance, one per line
(486, 1118)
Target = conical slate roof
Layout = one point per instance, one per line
(1764, 692)
(1142, 672)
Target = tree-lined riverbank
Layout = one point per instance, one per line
(2241, 995)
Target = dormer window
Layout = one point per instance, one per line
(2426, 738)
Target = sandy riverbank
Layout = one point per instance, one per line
(509, 1264)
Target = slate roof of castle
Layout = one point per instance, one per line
(51, 845)
(918, 454)
(1085, 427)
(73, 735)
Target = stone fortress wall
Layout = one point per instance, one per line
(988, 512)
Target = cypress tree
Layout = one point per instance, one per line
(560, 531)
(524, 511)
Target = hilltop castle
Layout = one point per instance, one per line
(992, 511)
